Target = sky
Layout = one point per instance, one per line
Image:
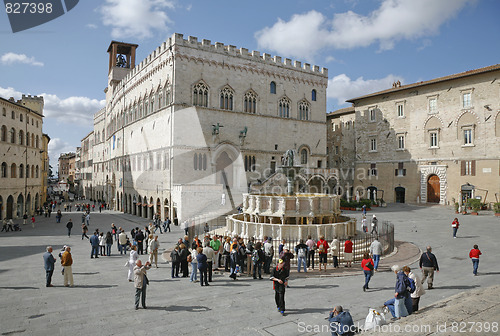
(365, 44)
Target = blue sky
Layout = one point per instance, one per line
(365, 44)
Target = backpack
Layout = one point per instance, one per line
(321, 248)
(175, 256)
(255, 257)
(302, 252)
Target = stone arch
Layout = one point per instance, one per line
(1, 207)
(10, 207)
(331, 183)
(144, 207)
(316, 184)
(433, 122)
(151, 208)
(300, 184)
(20, 206)
(466, 118)
(224, 159)
(440, 172)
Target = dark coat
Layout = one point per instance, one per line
(49, 261)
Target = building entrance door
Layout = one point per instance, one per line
(433, 189)
(400, 194)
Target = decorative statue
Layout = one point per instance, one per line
(289, 155)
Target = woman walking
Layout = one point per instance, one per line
(368, 266)
(474, 255)
(85, 229)
(102, 244)
(454, 225)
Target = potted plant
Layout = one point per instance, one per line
(475, 205)
(456, 205)
(496, 206)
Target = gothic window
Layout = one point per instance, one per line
(272, 88)
(27, 171)
(284, 107)
(166, 95)
(4, 133)
(36, 172)
(21, 137)
(4, 169)
(32, 139)
(32, 171)
(13, 170)
(152, 104)
(12, 135)
(4, 112)
(21, 171)
(313, 95)
(250, 163)
(146, 109)
(303, 156)
(13, 115)
(200, 95)
(20, 117)
(226, 99)
(250, 102)
(304, 108)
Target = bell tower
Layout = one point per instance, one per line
(121, 60)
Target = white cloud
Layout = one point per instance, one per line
(56, 147)
(69, 110)
(91, 26)
(132, 18)
(342, 87)
(12, 58)
(305, 34)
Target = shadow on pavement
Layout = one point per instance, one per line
(95, 286)
(456, 287)
(314, 286)
(192, 309)
(12, 252)
(19, 287)
(88, 273)
(308, 311)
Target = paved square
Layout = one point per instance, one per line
(101, 302)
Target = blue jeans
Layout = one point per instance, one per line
(123, 249)
(95, 251)
(108, 249)
(400, 308)
(455, 232)
(194, 271)
(409, 304)
(368, 276)
(475, 265)
(376, 260)
(301, 260)
(390, 305)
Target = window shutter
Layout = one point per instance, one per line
(462, 168)
(473, 167)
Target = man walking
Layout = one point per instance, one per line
(140, 282)
(66, 262)
(474, 255)
(279, 277)
(49, 261)
(376, 251)
(166, 225)
(94, 241)
(69, 226)
(139, 238)
(428, 264)
(374, 225)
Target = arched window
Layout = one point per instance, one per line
(313, 95)
(304, 110)
(140, 109)
(27, 171)
(166, 95)
(13, 170)
(27, 138)
(21, 171)
(272, 88)
(152, 104)
(32, 139)
(226, 99)
(21, 137)
(4, 133)
(250, 102)
(37, 173)
(32, 171)
(4, 112)
(200, 95)
(37, 142)
(204, 161)
(3, 173)
(13, 115)
(284, 107)
(303, 156)
(12, 135)
(20, 117)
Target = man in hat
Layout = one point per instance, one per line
(279, 277)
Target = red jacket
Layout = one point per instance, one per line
(348, 246)
(474, 253)
(455, 224)
(367, 261)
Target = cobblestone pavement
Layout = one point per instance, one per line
(102, 300)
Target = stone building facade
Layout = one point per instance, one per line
(189, 128)
(86, 166)
(22, 152)
(435, 141)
